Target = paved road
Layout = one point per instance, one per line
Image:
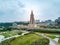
(52, 42)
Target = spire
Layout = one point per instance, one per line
(31, 11)
(31, 17)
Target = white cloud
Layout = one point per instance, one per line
(19, 10)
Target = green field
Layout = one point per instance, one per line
(11, 33)
(28, 39)
(52, 36)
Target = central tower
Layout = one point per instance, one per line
(32, 20)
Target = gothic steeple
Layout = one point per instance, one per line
(32, 18)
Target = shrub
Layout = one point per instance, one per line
(19, 33)
(45, 31)
(52, 36)
(7, 42)
(59, 40)
(43, 41)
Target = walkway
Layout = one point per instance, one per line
(24, 32)
(52, 42)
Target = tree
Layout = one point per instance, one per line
(57, 21)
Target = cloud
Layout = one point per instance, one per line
(10, 10)
(19, 10)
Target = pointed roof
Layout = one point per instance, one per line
(32, 12)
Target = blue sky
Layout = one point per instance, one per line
(19, 10)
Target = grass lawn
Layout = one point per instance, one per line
(52, 36)
(27, 39)
(30, 39)
(11, 33)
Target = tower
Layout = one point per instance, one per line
(32, 20)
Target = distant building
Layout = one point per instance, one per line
(57, 22)
(14, 25)
(43, 24)
(48, 21)
(37, 21)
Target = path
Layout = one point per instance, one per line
(24, 32)
(52, 42)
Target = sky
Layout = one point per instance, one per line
(19, 10)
